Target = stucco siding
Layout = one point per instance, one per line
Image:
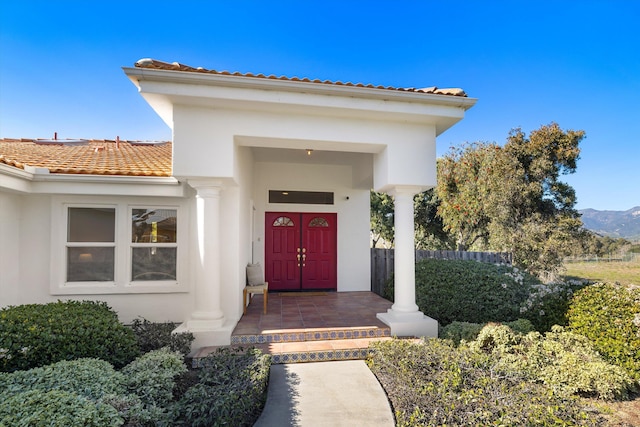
(10, 208)
(351, 206)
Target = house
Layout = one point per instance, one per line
(261, 169)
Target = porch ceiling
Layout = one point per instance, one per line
(317, 157)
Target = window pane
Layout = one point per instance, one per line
(283, 221)
(153, 225)
(318, 222)
(87, 264)
(153, 263)
(301, 197)
(91, 225)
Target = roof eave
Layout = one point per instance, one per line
(189, 77)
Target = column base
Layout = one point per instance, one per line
(208, 333)
(413, 324)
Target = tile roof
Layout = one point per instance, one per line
(93, 157)
(175, 66)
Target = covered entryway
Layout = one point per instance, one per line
(239, 137)
(300, 251)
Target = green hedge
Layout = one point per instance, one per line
(231, 390)
(470, 291)
(56, 408)
(458, 331)
(152, 376)
(433, 383)
(154, 336)
(40, 334)
(67, 393)
(609, 315)
(91, 378)
(141, 393)
(548, 303)
(564, 361)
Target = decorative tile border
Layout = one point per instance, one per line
(320, 356)
(319, 335)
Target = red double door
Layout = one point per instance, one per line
(300, 251)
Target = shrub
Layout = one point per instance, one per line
(458, 331)
(609, 315)
(152, 376)
(135, 413)
(55, 408)
(154, 336)
(232, 390)
(89, 378)
(547, 304)
(470, 291)
(564, 361)
(40, 334)
(432, 383)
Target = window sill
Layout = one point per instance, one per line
(111, 288)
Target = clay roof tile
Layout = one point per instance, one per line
(175, 66)
(93, 157)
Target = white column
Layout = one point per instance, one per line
(405, 256)
(403, 317)
(208, 313)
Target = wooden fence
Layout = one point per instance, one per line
(382, 262)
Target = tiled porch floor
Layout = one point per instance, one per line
(301, 311)
(307, 327)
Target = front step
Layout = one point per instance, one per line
(309, 345)
(319, 351)
(316, 334)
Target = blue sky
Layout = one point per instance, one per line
(529, 63)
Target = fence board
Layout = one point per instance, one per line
(382, 262)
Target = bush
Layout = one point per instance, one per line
(432, 383)
(40, 334)
(56, 408)
(470, 291)
(547, 304)
(89, 378)
(152, 376)
(458, 331)
(231, 391)
(154, 336)
(564, 361)
(609, 315)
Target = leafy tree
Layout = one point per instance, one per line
(535, 218)
(429, 232)
(465, 180)
(381, 219)
(511, 198)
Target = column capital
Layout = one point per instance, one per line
(409, 190)
(206, 186)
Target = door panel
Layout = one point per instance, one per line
(319, 241)
(282, 237)
(301, 251)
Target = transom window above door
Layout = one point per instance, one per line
(301, 197)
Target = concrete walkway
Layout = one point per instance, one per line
(341, 393)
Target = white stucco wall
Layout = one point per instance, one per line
(404, 153)
(236, 229)
(10, 208)
(26, 254)
(354, 271)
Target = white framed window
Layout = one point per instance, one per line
(100, 246)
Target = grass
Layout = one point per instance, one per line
(623, 272)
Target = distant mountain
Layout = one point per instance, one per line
(613, 223)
